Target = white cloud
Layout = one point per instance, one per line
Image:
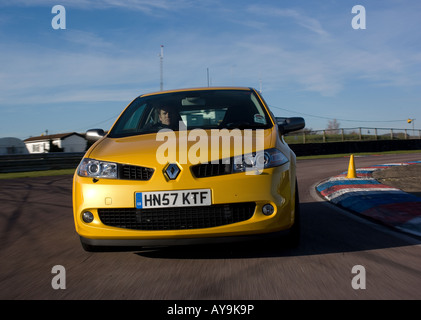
(146, 6)
(49, 76)
(302, 20)
(324, 58)
(86, 39)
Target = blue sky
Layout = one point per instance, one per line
(304, 55)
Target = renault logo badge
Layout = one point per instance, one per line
(172, 171)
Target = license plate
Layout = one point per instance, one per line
(174, 198)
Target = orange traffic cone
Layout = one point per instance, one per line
(352, 173)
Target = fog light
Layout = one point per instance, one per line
(268, 209)
(87, 217)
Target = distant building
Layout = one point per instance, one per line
(65, 142)
(12, 146)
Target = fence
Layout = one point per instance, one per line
(306, 142)
(39, 161)
(351, 134)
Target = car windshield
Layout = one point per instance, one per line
(205, 109)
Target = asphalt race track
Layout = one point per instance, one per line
(37, 233)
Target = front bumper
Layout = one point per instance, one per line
(274, 186)
(124, 243)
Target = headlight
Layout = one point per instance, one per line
(259, 160)
(97, 169)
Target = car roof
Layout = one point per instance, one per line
(197, 89)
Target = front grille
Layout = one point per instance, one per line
(128, 172)
(177, 218)
(204, 170)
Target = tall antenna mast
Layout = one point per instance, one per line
(161, 61)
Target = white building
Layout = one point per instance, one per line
(12, 146)
(68, 142)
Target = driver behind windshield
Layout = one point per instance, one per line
(164, 115)
(167, 118)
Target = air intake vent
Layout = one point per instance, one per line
(177, 218)
(204, 170)
(128, 172)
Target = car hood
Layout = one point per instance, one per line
(185, 147)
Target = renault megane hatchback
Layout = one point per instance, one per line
(188, 166)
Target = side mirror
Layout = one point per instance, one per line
(286, 125)
(94, 134)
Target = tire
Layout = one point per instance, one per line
(294, 235)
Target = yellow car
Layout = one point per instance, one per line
(188, 166)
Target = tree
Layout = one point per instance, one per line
(333, 126)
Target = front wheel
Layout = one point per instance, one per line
(294, 235)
